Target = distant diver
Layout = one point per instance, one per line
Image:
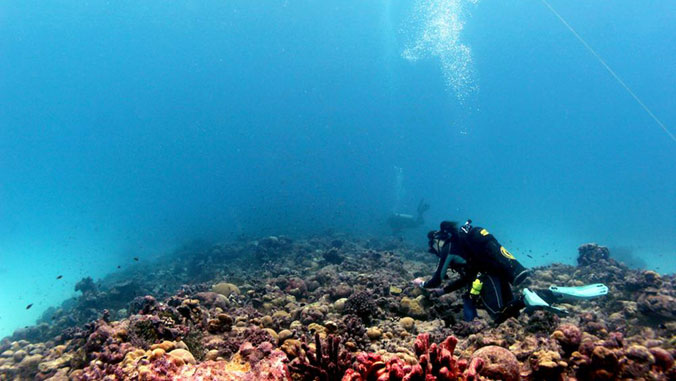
(487, 271)
(399, 221)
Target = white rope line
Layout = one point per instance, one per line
(611, 71)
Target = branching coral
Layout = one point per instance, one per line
(354, 332)
(327, 362)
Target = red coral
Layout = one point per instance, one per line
(371, 366)
(437, 360)
(435, 363)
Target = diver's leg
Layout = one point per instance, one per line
(512, 309)
(468, 308)
(491, 294)
(511, 306)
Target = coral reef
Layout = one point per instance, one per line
(360, 304)
(339, 308)
(433, 362)
(591, 253)
(326, 361)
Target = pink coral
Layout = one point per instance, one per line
(663, 359)
(568, 336)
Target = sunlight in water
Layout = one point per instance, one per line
(435, 27)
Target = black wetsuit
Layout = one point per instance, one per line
(484, 259)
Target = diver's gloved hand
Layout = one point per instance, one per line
(418, 282)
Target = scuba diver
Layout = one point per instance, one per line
(399, 221)
(487, 271)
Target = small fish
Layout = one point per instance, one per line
(136, 259)
(59, 277)
(28, 307)
(118, 266)
(529, 256)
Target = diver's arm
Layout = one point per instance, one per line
(435, 281)
(465, 279)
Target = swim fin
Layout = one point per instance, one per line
(533, 301)
(589, 291)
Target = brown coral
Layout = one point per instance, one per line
(498, 363)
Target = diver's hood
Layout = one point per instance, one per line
(451, 246)
(448, 233)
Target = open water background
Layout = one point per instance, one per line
(128, 128)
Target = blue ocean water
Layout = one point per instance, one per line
(128, 128)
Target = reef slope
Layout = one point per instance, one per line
(335, 307)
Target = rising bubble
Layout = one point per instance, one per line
(435, 29)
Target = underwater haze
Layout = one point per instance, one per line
(129, 128)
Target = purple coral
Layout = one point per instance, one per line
(327, 362)
(354, 331)
(569, 337)
(361, 304)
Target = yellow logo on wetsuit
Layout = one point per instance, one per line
(484, 232)
(506, 253)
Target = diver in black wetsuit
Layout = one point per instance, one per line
(486, 268)
(400, 221)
